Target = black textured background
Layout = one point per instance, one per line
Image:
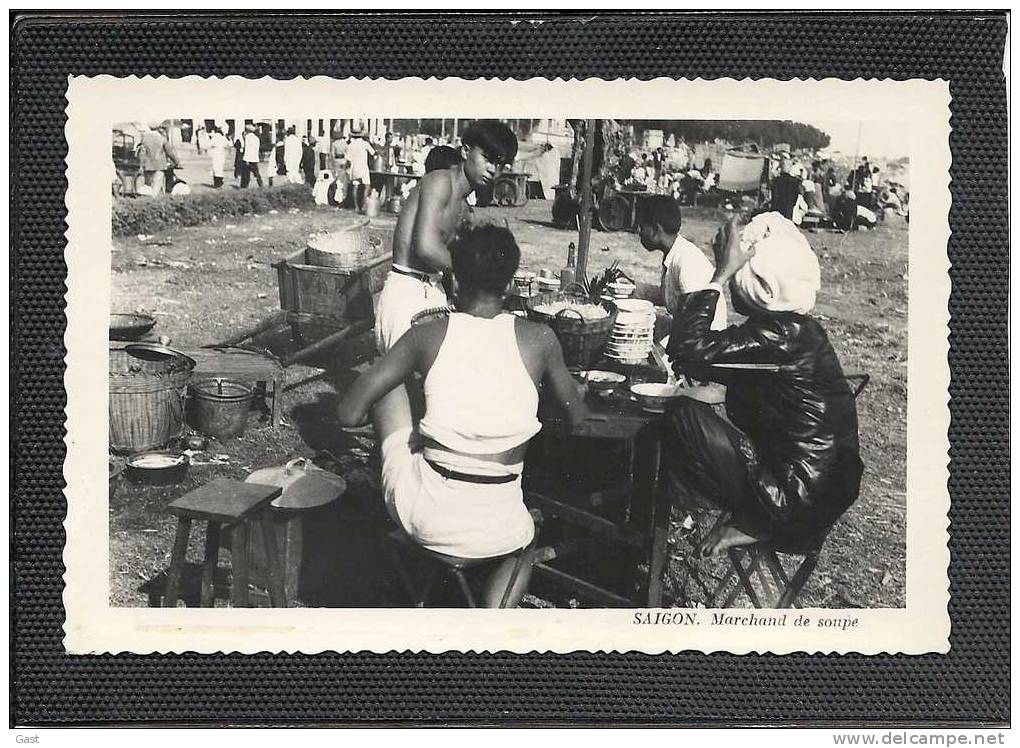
(970, 684)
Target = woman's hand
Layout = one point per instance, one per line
(729, 258)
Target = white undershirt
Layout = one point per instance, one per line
(686, 269)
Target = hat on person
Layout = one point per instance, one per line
(357, 131)
(783, 273)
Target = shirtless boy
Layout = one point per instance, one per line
(428, 223)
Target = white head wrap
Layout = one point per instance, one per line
(783, 274)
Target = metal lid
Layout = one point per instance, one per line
(159, 353)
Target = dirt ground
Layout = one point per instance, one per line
(206, 282)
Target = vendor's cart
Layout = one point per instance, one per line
(510, 189)
(125, 161)
(619, 209)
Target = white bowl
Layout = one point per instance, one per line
(640, 306)
(629, 346)
(601, 380)
(629, 351)
(653, 397)
(629, 360)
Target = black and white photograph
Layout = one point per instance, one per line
(499, 362)
(549, 365)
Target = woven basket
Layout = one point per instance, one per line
(146, 400)
(582, 340)
(350, 248)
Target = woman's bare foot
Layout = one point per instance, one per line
(722, 537)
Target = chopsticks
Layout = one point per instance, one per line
(773, 368)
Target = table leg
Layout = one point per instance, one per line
(660, 511)
(274, 567)
(623, 578)
(209, 563)
(177, 559)
(277, 414)
(239, 565)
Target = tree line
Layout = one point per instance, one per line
(764, 132)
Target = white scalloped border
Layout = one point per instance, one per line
(91, 626)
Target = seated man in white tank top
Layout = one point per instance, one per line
(454, 485)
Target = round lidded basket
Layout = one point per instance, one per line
(582, 340)
(146, 395)
(350, 248)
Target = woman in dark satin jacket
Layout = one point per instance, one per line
(787, 463)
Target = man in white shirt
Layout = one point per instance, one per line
(685, 268)
(359, 150)
(250, 156)
(292, 152)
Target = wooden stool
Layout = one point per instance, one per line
(439, 563)
(766, 552)
(235, 505)
(244, 366)
(788, 588)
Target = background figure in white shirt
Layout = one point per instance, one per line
(685, 268)
(292, 151)
(217, 144)
(359, 150)
(250, 156)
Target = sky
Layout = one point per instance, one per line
(878, 139)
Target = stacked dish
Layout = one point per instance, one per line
(631, 339)
(621, 288)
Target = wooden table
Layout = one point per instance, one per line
(643, 527)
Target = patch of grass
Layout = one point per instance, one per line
(147, 215)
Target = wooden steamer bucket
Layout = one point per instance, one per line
(146, 395)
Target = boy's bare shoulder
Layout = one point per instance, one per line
(436, 184)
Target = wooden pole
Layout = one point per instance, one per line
(584, 227)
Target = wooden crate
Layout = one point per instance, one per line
(340, 294)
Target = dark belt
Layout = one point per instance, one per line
(423, 277)
(468, 478)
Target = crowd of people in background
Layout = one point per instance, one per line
(817, 195)
(339, 163)
(809, 191)
(344, 160)
(818, 191)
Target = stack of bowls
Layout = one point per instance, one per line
(631, 339)
(621, 288)
(547, 284)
